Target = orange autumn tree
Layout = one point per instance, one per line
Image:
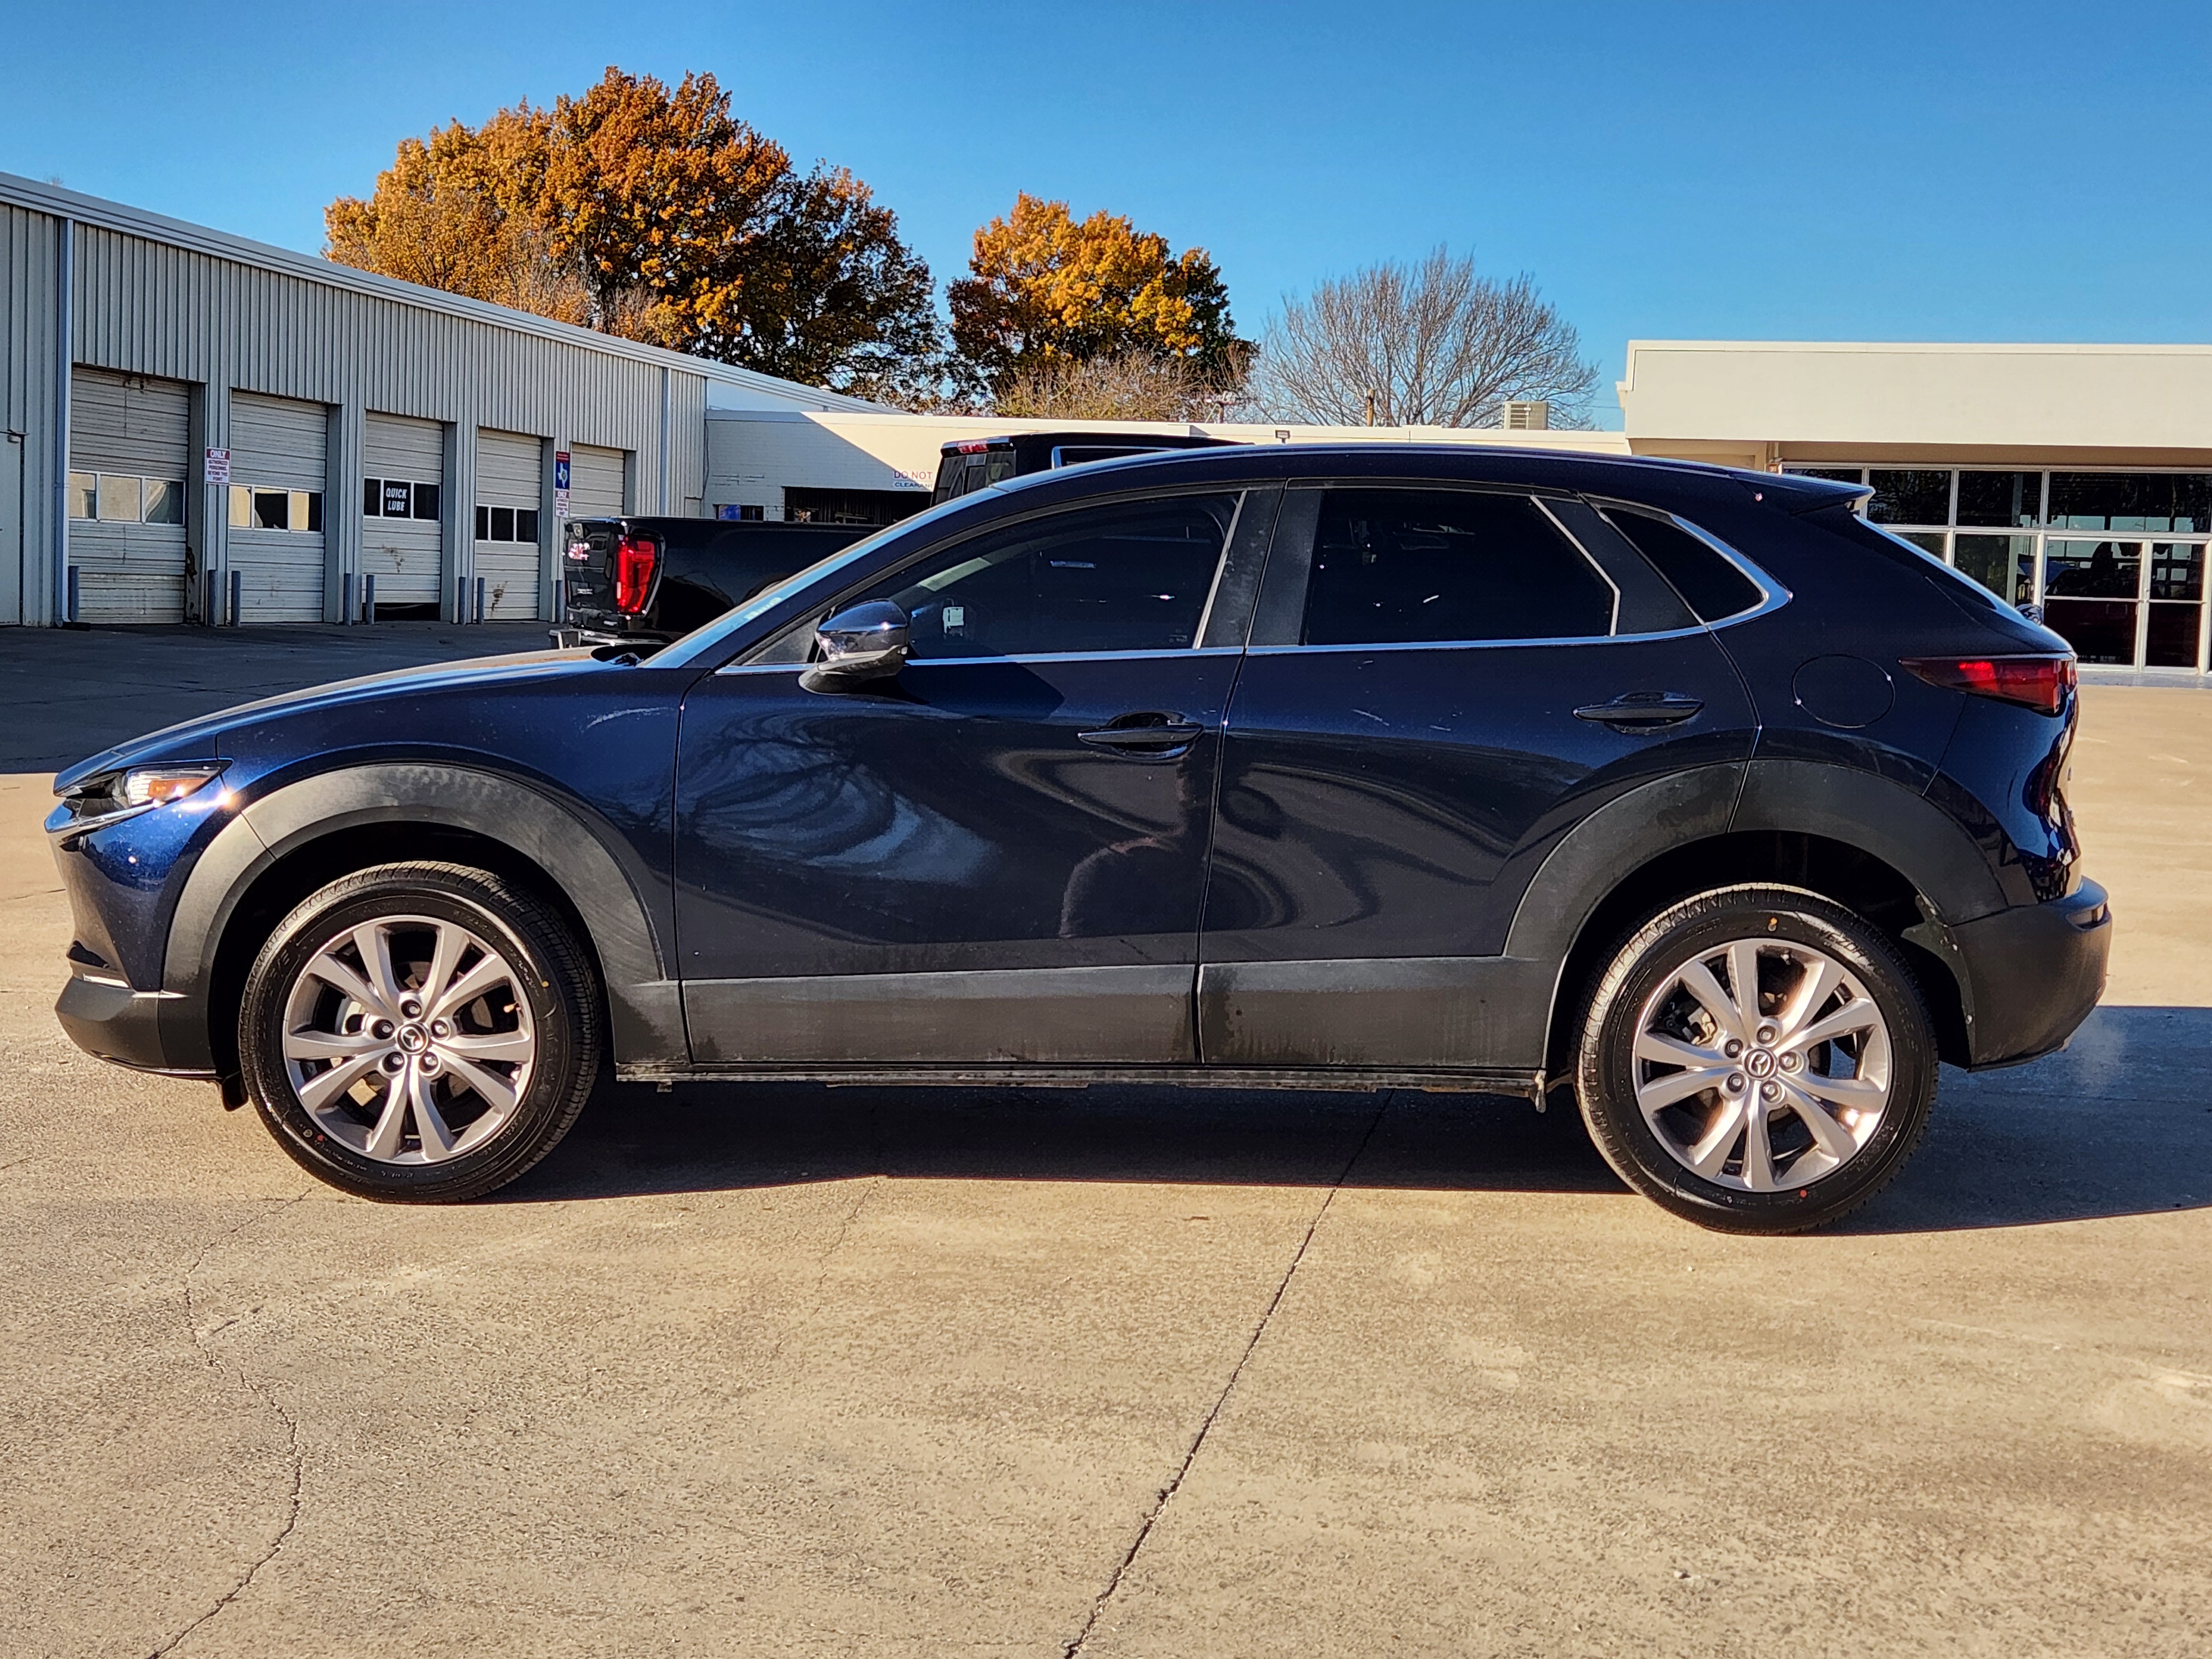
(1044, 286)
(657, 214)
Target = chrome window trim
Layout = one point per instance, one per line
(1026, 657)
(1487, 645)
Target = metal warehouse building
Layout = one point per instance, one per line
(202, 428)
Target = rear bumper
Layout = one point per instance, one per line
(109, 1020)
(2031, 975)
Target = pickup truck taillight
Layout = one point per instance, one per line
(2042, 683)
(636, 557)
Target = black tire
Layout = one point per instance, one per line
(558, 998)
(1645, 964)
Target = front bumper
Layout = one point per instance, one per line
(109, 1020)
(2032, 973)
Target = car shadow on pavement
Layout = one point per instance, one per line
(2119, 1124)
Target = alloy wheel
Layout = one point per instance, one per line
(1762, 1065)
(409, 1039)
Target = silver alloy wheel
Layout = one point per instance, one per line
(1762, 1065)
(409, 1039)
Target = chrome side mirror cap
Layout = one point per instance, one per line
(866, 641)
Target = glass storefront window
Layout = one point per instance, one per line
(1910, 497)
(2176, 502)
(1930, 542)
(2100, 631)
(1855, 475)
(2000, 498)
(2092, 570)
(2177, 571)
(2003, 564)
(2170, 639)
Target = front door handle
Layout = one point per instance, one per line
(1642, 711)
(1150, 736)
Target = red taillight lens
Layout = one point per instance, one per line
(636, 559)
(2042, 683)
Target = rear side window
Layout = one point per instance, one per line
(1127, 576)
(1403, 566)
(1714, 588)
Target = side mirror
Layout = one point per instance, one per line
(867, 641)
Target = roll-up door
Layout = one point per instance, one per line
(595, 482)
(126, 498)
(509, 468)
(276, 475)
(403, 465)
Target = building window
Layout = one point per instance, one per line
(84, 494)
(426, 502)
(126, 498)
(507, 524)
(526, 525)
(252, 507)
(122, 498)
(165, 501)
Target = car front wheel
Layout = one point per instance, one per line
(420, 1032)
(1757, 1059)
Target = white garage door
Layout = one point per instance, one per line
(127, 472)
(595, 482)
(403, 465)
(509, 470)
(277, 474)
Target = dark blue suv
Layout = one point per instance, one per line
(1346, 767)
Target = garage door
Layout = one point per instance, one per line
(595, 482)
(403, 463)
(509, 467)
(277, 473)
(127, 472)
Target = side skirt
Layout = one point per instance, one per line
(1342, 1079)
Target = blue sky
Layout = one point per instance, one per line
(2015, 171)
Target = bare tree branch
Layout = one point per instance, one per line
(1433, 344)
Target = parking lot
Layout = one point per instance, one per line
(792, 1370)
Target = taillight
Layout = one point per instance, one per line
(636, 559)
(2042, 683)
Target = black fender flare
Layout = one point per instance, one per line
(1880, 816)
(644, 1003)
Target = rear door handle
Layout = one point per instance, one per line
(1146, 737)
(1642, 711)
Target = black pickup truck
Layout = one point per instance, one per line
(643, 581)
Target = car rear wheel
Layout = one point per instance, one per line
(1757, 1059)
(420, 1032)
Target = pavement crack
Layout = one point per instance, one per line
(1166, 1494)
(820, 1273)
(260, 1391)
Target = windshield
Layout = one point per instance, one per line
(703, 643)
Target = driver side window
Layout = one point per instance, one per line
(1124, 576)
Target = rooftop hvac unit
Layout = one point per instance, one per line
(1527, 417)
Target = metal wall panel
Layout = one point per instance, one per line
(405, 555)
(29, 267)
(128, 433)
(507, 468)
(278, 443)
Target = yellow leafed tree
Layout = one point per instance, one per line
(1044, 285)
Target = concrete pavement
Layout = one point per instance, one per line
(1124, 1372)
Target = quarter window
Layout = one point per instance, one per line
(1403, 566)
(1128, 576)
(1713, 587)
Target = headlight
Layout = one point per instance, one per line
(154, 786)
